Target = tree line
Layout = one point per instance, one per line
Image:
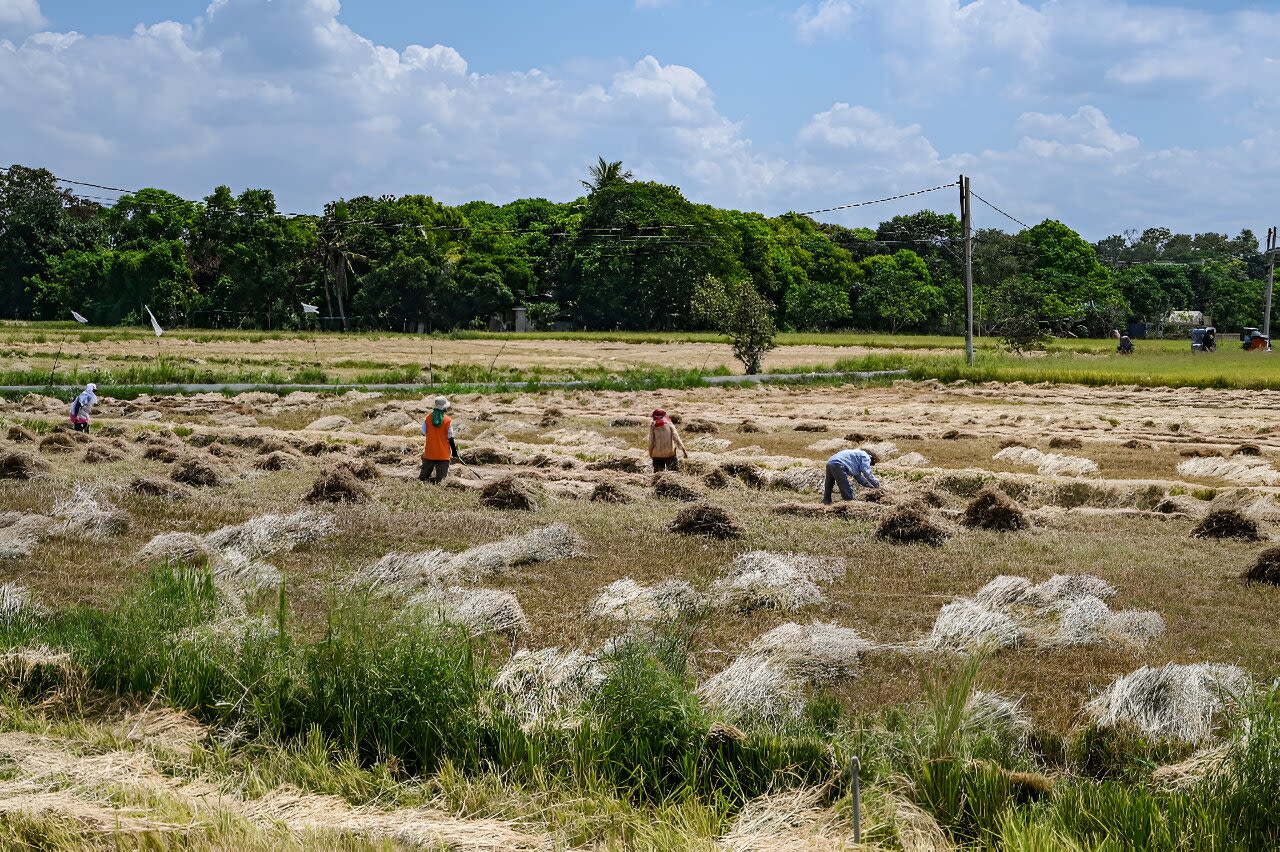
(627, 254)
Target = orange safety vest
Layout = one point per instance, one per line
(436, 445)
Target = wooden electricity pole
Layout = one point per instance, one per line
(1272, 234)
(966, 227)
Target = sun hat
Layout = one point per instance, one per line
(658, 414)
(91, 387)
(441, 404)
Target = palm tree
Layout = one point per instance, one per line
(605, 174)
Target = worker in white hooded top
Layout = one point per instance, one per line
(82, 407)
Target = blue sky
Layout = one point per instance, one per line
(1105, 115)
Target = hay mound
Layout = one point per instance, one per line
(701, 427)
(102, 454)
(817, 653)
(996, 715)
(197, 471)
(222, 451)
(1048, 464)
(329, 423)
(185, 548)
(1247, 450)
(910, 525)
(20, 533)
(362, 469)
(509, 493)
(627, 600)
(669, 486)
(547, 686)
(479, 611)
(58, 442)
(1060, 443)
(275, 460)
(622, 464)
(16, 603)
(486, 455)
(20, 434)
(717, 478)
(82, 514)
(705, 520)
(608, 492)
(801, 479)
(627, 422)
(1265, 569)
(1227, 523)
(1178, 504)
(966, 626)
(1180, 702)
(152, 486)
(811, 427)
(16, 464)
(754, 689)
(750, 427)
(747, 473)
(1134, 444)
(162, 452)
(337, 484)
(992, 509)
(241, 546)
(787, 582)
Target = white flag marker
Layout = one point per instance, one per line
(155, 325)
(79, 318)
(310, 309)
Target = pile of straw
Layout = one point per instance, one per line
(337, 484)
(910, 524)
(1227, 523)
(670, 486)
(509, 493)
(705, 520)
(754, 689)
(197, 471)
(1265, 569)
(16, 464)
(627, 600)
(547, 686)
(787, 582)
(609, 492)
(152, 486)
(816, 653)
(1179, 702)
(83, 514)
(992, 509)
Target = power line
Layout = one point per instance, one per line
(998, 210)
(877, 200)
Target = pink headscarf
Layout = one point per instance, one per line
(660, 417)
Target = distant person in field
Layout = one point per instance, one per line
(664, 440)
(1126, 345)
(846, 465)
(438, 448)
(82, 407)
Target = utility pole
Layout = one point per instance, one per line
(1272, 235)
(966, 227)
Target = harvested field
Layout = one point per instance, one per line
(705, 520)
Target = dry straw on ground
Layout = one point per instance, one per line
(20, 533)
(59, 442)
(198, 471)
(1180, 702)
(1048, 464)
(1227, 523)
(754, 688)
(337, 484)
(910, 524)
(670, 486)
(1265, 569)
(84, 515)
(478, 611)
(787, 582)
(992, 509)
(627, 600)
(509, 493)
(153, 486)
(20, 434)
(817, 653)
(705, 520)
(609, 492)
(17, 464)
(276, 460)
(547, 686)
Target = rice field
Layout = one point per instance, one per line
(1035, 615)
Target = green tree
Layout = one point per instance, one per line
(738, 311)
(605, 174)
(898, 291)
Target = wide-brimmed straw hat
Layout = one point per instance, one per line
(441, 404)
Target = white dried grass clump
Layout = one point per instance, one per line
(267, 534)
(1248, 469)
(911, 460)
(83, 514)
(478, 611)
(547, 685)
(1004, 591)
(708, 444)
(830, 445)
(403, 572)
(802, 479)
(1048, 464)
(20, 533)
(16, 602)
(176, 547)
(995, 714)
(585, 438)
(627, 600)
(1065, 587)
(783, 581)
(255, 575)
(883, 450)
(968, 626)
(754, 689)
(1179, 702)
(329, 423)
(816, 653)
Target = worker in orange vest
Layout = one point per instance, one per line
(438, 448)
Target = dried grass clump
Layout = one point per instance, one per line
(153, 486)
(82, 514)
(609, 492)
(276, 460)
(337, 484)
(197, 471)
(967, 626)
(20, 434)
(1061, 443)
(811, 427)
(910, 524)
(20, 533)
(547, 686)
(102, 454)
(17, 603)
(1265, 569)
(995, 715)
(701, 427)
(16, 464)
(58, 442)
(217, 449)
(816, 653)
(1247, 450)
(509, 493)
(627, 422)
(239, 549)
(622, 464)
(750, 427)
(485, 456)
(754, 689)
(717, 478)
(479, 611)
(992, 509)
(705, 520)
(787, 582)
(1227, 523)
(1179, 702)
(670, 486)
(162, 451)
(746, 472)
(362, 469)
(627, 600)
(176, 547)
(1048, 464)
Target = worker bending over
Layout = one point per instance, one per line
(846, 464)
(82, 407)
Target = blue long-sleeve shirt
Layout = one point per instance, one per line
(857, 464)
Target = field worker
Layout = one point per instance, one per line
(438, 447)
(845, 464)
(82, 407)
(663, 441)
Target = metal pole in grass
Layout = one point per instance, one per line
(55, 365)
(855, 769)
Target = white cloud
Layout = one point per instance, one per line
(20, 17)
(828, 19)
(1088, 130)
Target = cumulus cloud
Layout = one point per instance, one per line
(828, 19)
(20, 17)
